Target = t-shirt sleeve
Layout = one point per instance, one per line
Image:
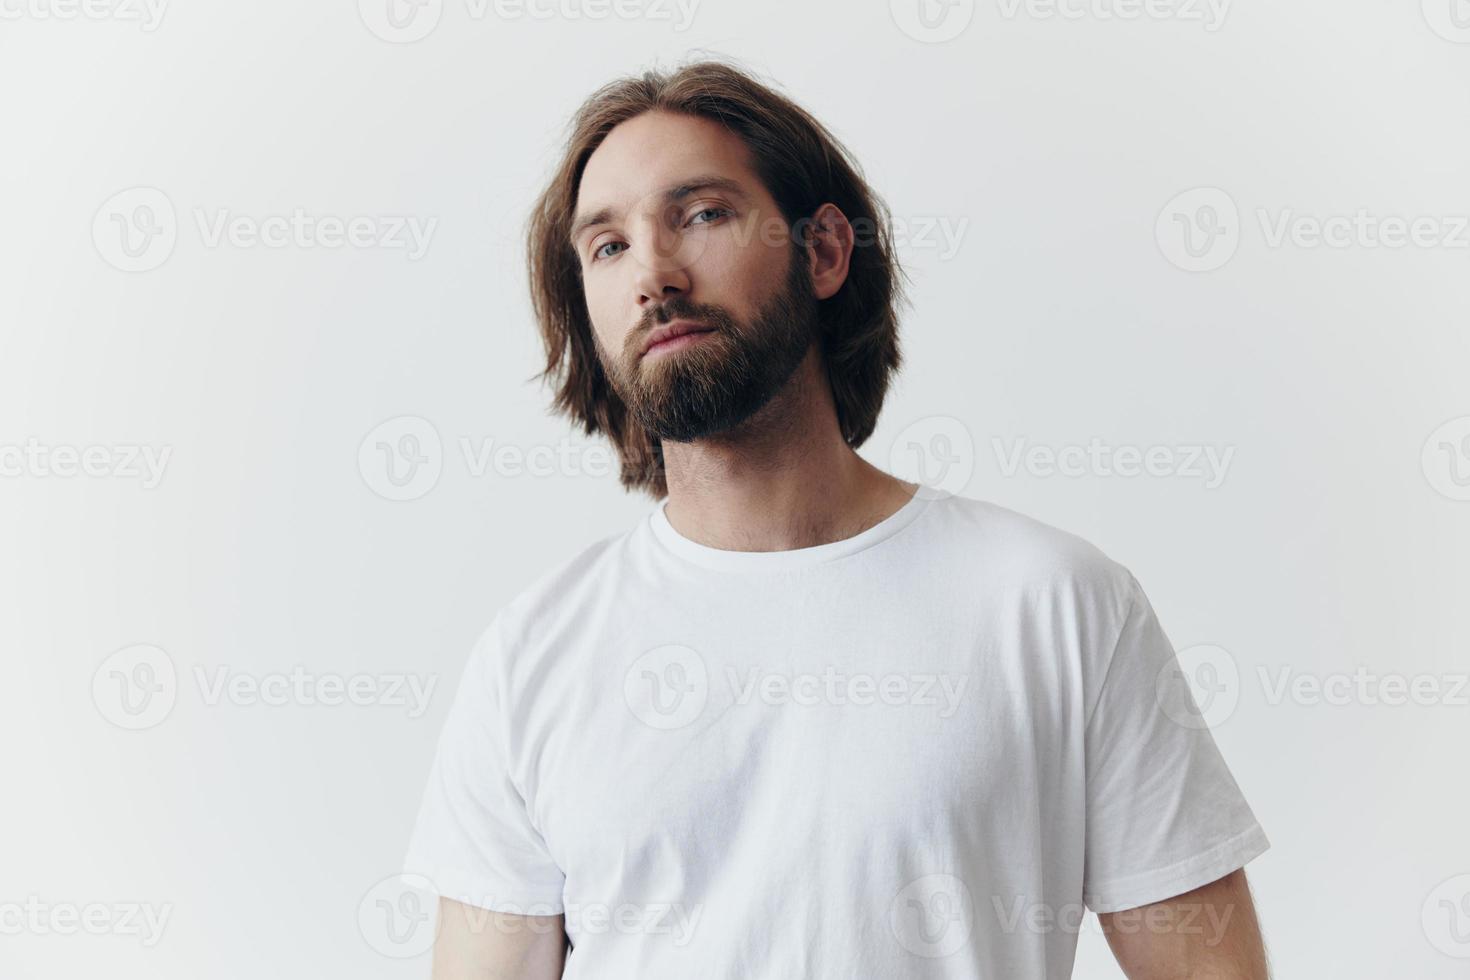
(474, 839)
(1164, 814)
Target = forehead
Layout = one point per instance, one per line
(649, 152)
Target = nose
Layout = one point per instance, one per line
(662, 266)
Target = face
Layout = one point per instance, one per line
(674, 230)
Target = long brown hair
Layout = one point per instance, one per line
(803, 167)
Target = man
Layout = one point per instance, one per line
(806, 720)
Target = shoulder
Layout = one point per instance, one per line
(1006, 549)
(551, 603)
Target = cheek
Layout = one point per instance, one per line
(738, 273)
(740, 276)
(608, 322)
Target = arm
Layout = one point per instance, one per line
(1210, 933)
(477, 944)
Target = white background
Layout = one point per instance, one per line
(1054, 143)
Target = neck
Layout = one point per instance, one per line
(781, 480)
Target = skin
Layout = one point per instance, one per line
(1210, 933)
(474, 944)
(750, 487)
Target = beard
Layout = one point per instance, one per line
(728, 375)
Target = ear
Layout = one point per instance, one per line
(829, 249)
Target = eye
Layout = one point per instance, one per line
(597, 253)
(717, 212)
(710, 214)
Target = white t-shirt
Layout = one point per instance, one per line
(912, 753)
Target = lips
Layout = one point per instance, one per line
(671, 330)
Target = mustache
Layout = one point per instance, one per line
(713, 317)
(680, 309)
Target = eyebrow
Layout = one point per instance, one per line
(670, 194)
